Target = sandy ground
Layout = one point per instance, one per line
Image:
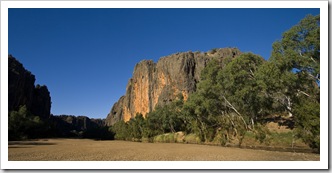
(90, 150)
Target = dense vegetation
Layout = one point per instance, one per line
(233, 100)
(236, 96)
(22, 124)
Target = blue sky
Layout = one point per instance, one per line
(87, 56)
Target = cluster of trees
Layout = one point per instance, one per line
(22, 124)
(163, 119)
(234, 96)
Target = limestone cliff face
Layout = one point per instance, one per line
(159, 83)
(22, 90)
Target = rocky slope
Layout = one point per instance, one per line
(159, 83)
(22, 90)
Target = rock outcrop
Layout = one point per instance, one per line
(159, 83)
(22, 90)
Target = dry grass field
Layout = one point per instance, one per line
(90, 150)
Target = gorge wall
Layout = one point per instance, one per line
(76, 126)
(22, 90)
(159, 83)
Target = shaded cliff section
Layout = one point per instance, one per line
(159, 83)
(29, 108)
(22, 91)
(79, 127)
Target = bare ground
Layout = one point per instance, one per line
(90, 150)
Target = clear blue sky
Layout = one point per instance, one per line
(87, 56)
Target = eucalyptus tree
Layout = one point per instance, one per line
(240, 91)
(291, 79)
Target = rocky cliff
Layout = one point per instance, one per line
(22, 90)
(159, 83)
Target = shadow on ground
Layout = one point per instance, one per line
(28, 143)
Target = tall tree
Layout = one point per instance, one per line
(240, 91)
(291, 78)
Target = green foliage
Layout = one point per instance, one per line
(153, 126)
(168, 118)
(136, 127)
(23, 125)
(262, 134)
(300, 47)
(192, 139)
(226, 97)
(170, 138)
(294, 81)
(265, 137)
(120, 130)
(239, 85)
(308, 122)
(197, 115)
(285, 139)
(204, 105)
(162, 120)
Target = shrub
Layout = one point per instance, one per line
(262, 134)
(192, 139)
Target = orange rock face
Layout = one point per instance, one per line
(141, 89)
(159, 83)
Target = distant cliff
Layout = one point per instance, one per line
(79, 126)
(22, 91)
(158, 83)
(37, 100)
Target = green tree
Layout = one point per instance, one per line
(136, 127)
(227, 97)
(23, 125)
(205, 108)
(299, 48)
(307, 122)
(167, 118)
(196, 116)
(175, 118)
(153, 125)
(120, 129)
(240, 91)
(291, 78)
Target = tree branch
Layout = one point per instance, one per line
(252, 73)
(312, 59)
(303, 93)
(314, 77)
(232, 107)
